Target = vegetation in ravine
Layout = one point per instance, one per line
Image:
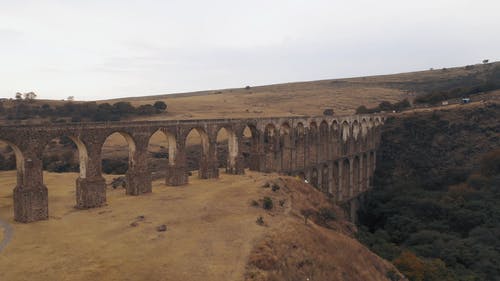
(435, 208)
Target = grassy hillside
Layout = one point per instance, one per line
(308, 98)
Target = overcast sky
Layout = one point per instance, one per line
(97, 49)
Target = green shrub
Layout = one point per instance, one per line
(267, 203)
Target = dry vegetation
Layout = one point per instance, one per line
(211, 232)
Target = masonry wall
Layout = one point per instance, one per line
(335, 154)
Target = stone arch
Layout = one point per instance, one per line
(314, 177)
(83, 157)
(161, 160)
(335, 137)
(270, 141)
(313, 138)
(346, 178)
(364, 172)
(344, 136)
(325, 178)
(336, 181)
(19, 158)
(300, 145)
(356, 176)
(226, 133)
(197, 135)
(324, 137)
(364, 128)
(171, 141)
(131, 143)
(286, 147)
(252, 146)
(355, 129)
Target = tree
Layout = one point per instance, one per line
(328, 112)
(19, 96)
(307, 213)
(29, 96)
(485, 61)
(160, 106)
(70, 98)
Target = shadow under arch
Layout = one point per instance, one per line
(159, 161)
(196, 158)
(300, 142)
(285, 146)
(228, 136)
(252, 147)
(271, 143)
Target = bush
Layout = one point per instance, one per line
(326, 215)
(160, 106)
(115, 166)
(328, 112)
(490, 163)
(267, 203)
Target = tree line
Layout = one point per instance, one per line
(79, 112)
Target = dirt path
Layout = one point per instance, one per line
(7, 234)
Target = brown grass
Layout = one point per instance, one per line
(292, 250)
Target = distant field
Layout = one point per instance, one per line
(308, 98)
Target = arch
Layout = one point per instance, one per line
(271, 141)
(346, 178)
(313, 137)
(364, 172)
(226, 134)
(356, 179)
(162, 150)
(197, 157)
(286, 147)
(83, 157)
(161, 137)
(345, 131)
(325, 178)
(335, 137)
(344, 136)
(324, 131)
(364, 128)
(355, 129)
(336, 183)
(300, 146)
(19, 159)
(314, 177)
(250, 136)
(270, 135)
(116, 137)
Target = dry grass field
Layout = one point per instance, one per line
(211, 233)
(303, 98)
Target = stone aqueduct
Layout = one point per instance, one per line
(335, 154)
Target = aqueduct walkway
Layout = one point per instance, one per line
(335, 153)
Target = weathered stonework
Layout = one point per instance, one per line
(335, 154)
